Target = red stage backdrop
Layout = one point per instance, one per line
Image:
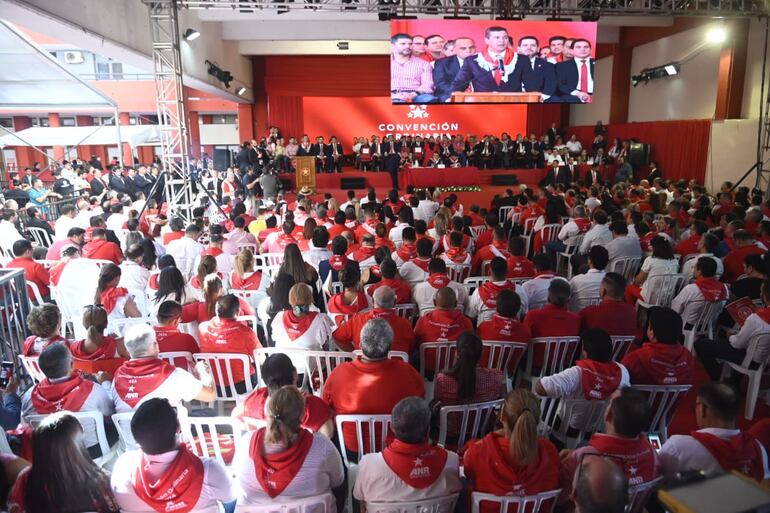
(364, 116)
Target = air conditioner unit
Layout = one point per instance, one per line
(73, 57)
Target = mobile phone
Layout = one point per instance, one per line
(654, 439)
(6, 373)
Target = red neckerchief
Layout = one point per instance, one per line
(421, 263)
(104, 351)
(137, 378)
(363, 253)
(457, 255)
(153, 281)
(337, 304)
(375, 270)
(215, 252)
(711, 288)
(438, 281)
(109, 297)
(382, 242)
(297, 326)
(645, 241)
(275, 471)
(68, 395)
(418, 465)
(407, 252)
(502, 472)
(764, 314)
(583, 224)
(285, 239)
(598, 380)
(93, 247)
(178, 489)
(740, 452)
(637, 454)
(489, 291)
(338, 262)
(250, 282)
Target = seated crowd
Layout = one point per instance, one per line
(593, 294)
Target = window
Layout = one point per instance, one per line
(224, 119)
(40, 122)
(68, 122)
(107, 121)
(6, 123)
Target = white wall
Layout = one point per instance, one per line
(689, 95)
(753, 81)
(732, 151)
(599, 108)
(216, 135)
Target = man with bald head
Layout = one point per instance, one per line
(601, 486)
(445, 70)
(444, 324)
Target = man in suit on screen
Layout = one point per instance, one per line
(445, 70)
(538, 74)
(575, 77)
(495, 69)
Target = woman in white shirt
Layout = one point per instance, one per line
(283, 461)
(662, 261)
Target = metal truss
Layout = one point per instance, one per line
(586, 9)
(763, 135)
(167, 69)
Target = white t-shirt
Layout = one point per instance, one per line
(654, 266)
(313, 339)
(133, 276)
(424, 293)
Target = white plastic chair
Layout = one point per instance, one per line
(392, 355)
(708, 312)
(87, 419)
(176, 357)
(222, 367)
(271, 259)
(558, 354)
(572, 244)
(582, 302)
(478, 230)
(639, 495)
(408, 311)
(475, 421)
(549, 232)
(315, 504)
(294, 354)
(540, 503)
(248, 245)
(320, 365)
(444, 356)
(35, 298)
(625, 266)
(48, 264)
(122, 423)
(757, 351)
(202, 436)
(620, 346)
(663, 289)
(503, 356)
(577, 419)
(474, 282)
(459, 272)
(40, 236)
(336, 287)
(445, 504)
(32, 367)
(119, 326)
(252, 297)
(663, 400)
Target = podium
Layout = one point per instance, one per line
(458, 97)
(305, 172)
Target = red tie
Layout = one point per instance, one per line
(584, 77)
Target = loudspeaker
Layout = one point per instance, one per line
(222, 159)
(638, 154)
(286, 184)
(352, 183)
(505, 180)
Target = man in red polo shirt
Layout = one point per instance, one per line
(167, 332)
(391, 278)
(99, 248)
(348, 335)
(554, 319)
(445, 323)
(498, 247)
(33, 271)
(690, 245)
(485, 237)
(373, 384)
(733, 261)
(519, 266)
(612, 314)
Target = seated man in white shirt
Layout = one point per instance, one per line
(585, 287)
(133, 275)
(146, 376)
(318, 250)
(734, 349)
(410, 468)
(622, 245)
(165, 475)
(718, 445)
(416, 270)
(403, 221)
(598, 234)
(691, 300)
(482, 304)
(424, 293)
(186, 249)
(536, 289)
(65, 222)
(707, 244)
(8, 232)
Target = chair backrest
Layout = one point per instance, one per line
(320, 364)
(620, 346)
(663, 400)
(504, 355)
(32, 367)
(571, 420)
(573, 243)
(180, 359)
(445, 504)
(558, 354)
(582, 302)
(407, 310)
(549, 232)
(212, 437)
(249, 320)
(370, 431)
(540, 503)
(119, 326)
(640, 494)
(87, 419)
(315, 504)
(271, 259)
(474, 282)
(458, 273)
(246, 295)
(392, 355)
(503, 212)
(222, 366)
(294, 354)
(663, 288)
(475, 421)
(758, 350)
(336, 287)
(40, 236)
(625, 266)
(444, 355)
(35, 298)
(708, 311)
(529, 226)
(122, 423)
(247, 245)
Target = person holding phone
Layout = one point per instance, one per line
(10, 411)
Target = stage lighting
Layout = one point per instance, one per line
(191, 34)
(223, 76)
(717, 35)
(671, 69)
(240, 91)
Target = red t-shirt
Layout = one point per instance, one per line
(733, 262)
(33, 272)
(348, 334)
(617, 318)
(197, 311)
(100, 249)
(171, 339)
(229, 336)
(317, 412)
(399, 286)
(660, 364)
(369, 387)
(551, 321)
(687, 246)
(442, 325)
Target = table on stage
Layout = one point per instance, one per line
(422, 177)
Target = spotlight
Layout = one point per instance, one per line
(240, 91)
(223, 76)
(191, 34)
(717, 35)
(671, 69)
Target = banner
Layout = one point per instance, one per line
(347, 118)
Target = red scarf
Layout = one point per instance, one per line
(250, 282)
(68, 395)
(338, 262)
(407, 252)
(153, 282)
(507, 58)
(489, 291)
(337, 304)
(215, 252)
(637, 456)
(178, 489)
(457, 255)
(422, 264)
(598, 380)
(363, 253)
(712, 289)
(499, 474)
(109, 297)
(137, 378)
(764, 314)
(276, 471)
(438, 281)
(418, 465)
(285, 239)
(740, 453)
(583, 224)
(297, 326)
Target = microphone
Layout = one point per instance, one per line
(500, 65)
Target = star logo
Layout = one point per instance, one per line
(59, 406)
(598, 386)
(418, 112)
(417, 462)
(633, 470)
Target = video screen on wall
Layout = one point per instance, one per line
(477, 61)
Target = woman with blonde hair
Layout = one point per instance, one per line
(513, 457)
(284, 460)
(97, 345)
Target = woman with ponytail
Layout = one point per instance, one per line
(207, 266)
(284, 460)
(466, 382)
(243, 276)
(352, 299)
(202, 311)
(513, 459)
(117, 302)
(97, 345)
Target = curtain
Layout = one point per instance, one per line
(679, 147)
(540, 117)
(320, 75)
(285, 112)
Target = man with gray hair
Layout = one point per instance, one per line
(145, 375)
(348, 335)
(409, 468)
(62, 389)
(372, 384)
(600, 486)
